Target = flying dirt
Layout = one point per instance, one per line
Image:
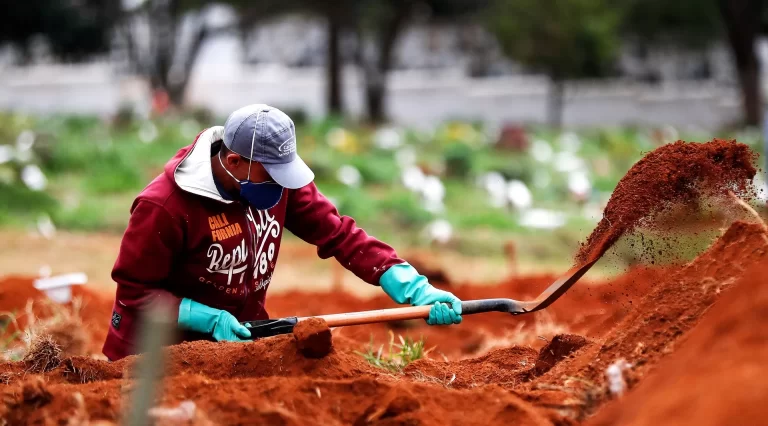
(669, 337)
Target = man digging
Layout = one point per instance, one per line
(205, 235)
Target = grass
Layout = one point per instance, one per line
(397, 357)
(43, 355)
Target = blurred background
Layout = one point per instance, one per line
(479, 137)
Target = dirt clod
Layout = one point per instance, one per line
(557, 349)
(313, 337)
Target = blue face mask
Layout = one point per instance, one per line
(260, 196)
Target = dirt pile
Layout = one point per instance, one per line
(505, 367)
(653, 329)
(717, 376)
(678, 173)
(313, 337)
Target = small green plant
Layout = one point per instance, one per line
(398, 356)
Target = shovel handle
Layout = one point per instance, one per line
(380, 315)
(272, 327)
(415, 312)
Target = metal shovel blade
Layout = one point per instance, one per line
(518, 307)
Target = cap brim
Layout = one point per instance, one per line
(293, 175)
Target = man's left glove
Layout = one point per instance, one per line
(204, 319)
(405, 285)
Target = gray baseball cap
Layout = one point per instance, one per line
(267, 135)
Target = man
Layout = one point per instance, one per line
(205, 235)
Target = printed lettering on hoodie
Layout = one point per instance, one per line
(234, 262)
(267, 233)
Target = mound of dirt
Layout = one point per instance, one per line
(294, 401)
(717, 376)
(273, 356)
(652, 330)
(506, 367)
(678, 173)
(313, 337)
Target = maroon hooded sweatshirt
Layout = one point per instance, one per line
(185, 241)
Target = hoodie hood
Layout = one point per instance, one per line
(191, 168)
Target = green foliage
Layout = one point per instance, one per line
(405, 208)
(458, 160)
(376, 169)
(18, 199)
(398, 356)
(564, 39)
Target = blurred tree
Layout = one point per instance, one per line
(379, 25)
(686, 23)
(335, 14)
(72, 30)
(744, 21)
(696, 24)
(164, 37)
(339, 16)
(564, 39)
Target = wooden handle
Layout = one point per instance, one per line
(381, 315)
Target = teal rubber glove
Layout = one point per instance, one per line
(204, 319)
(405, 285)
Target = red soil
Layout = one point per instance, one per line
(662, 318)
(560, 347)
(270, 381)
(718, 374)
(14, 293)
(678, 173)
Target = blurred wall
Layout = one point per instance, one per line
(420, 98)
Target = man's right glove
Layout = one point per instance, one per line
(404, 284)
(220, 324)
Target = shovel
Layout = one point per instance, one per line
(273, 327)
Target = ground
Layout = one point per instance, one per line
(491, 369)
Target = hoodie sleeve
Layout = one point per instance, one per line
(313, 218)
(147, 253)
